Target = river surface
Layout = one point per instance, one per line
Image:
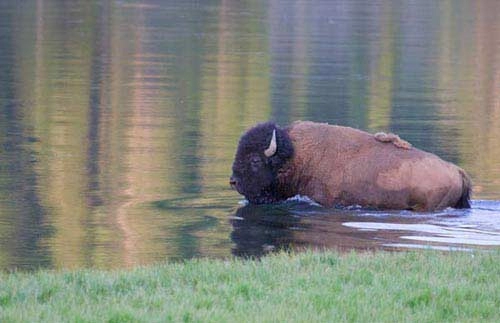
(119, 121)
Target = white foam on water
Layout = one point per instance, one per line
(302, 199)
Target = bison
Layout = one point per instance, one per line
(342, 166)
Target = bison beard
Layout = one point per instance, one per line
(341, 166)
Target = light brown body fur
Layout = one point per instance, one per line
(337, 165)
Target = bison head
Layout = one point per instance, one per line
(261, 152)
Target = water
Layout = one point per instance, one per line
(119, 121)
(297, 224)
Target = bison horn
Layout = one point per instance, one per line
(271, 150)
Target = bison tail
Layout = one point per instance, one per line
(464, 201)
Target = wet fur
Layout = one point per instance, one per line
(464, 201)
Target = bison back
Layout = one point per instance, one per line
(337, 165)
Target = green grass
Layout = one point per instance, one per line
(307, 287)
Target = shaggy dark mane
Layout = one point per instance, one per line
(254, 174)
(257, 139)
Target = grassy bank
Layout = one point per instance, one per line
(309, 287)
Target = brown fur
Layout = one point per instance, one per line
(337, 165)
(390, 137)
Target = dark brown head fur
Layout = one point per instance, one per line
(255, 174)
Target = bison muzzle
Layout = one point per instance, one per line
(342, 166)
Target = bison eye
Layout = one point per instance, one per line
(255, 163)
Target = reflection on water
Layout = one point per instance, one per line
(119, 120)
(258, 230)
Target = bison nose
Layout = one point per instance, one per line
(233, 182)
